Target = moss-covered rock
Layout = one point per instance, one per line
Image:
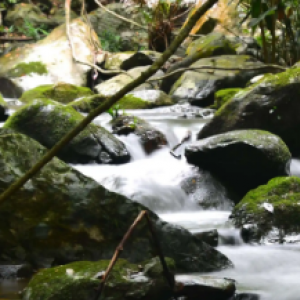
(199, 86)
(243, 159)
(60, 92)
(223, 96)
(80, 280)
(270, 212)
(210, 45)
(135, 100)
(270, 104)
(22, 69)
(150, 138)
(60, 216)
(48, 121)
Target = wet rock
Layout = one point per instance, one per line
(210, 237)
(198, 86)
(60, 213)
(212, 44)
(223, 96)
(79, 280)
(3, 110)
(59, 66)
(270, 104)
(204, 287)
(129, 60)
(48, 121)
(150, 138)
(15, 271)
(242, 159)
(113, 85)
(269, 213)
(205, 190)
(245, 296)
(9, 89)
(134, 100)
(60, 92)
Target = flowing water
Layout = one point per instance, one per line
(155, 181)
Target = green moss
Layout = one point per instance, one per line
(211, 44)
(223, 96)
(127, 102)
(60, 92)
(69, 118)
(284, 195)
(131, 102)
(77, 280)
(2, 102)
(22, 69)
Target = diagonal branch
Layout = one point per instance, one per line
(184, 32)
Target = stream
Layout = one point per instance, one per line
(154, 180)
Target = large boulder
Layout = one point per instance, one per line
(270, 104)
(54, 54)
(60, 92)
(223, 96)
(270, 213)
(60, 216)
(149, 137)
(48, 121)
(80, 280)
(243, 159)
(198, 86)
(134, 100)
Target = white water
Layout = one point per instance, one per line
(271, 271)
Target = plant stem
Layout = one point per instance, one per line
(184, 32)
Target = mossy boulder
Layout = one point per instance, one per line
(149, 137)
(210, 45)
(223, 96)
(270, 213)
(134, 100)
(48, 121)
(270, 104)
(243, 159)
(53, 54)
(80, 280)
(61, 216)
(60, 92)
(199, 86)
(113, 85)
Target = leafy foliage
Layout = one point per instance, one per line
(29, 30)
(110, 41)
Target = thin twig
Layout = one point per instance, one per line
(109, 102)
(120, 248)
(119, 16)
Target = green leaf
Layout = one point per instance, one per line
(256, 21)
(255, 8)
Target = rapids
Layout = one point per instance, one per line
(155, 181)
